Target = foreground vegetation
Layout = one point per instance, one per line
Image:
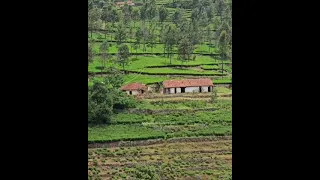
(202, 158)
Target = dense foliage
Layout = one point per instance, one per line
(105, 97)
(210, 21)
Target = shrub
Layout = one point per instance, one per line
(214, 95)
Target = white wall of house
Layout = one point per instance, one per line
(205, 88)
(178, 90)
(172, 90)
(192, 89)
(135, 92)
(196, 89)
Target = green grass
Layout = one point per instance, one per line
(176, 124)
(222, 81)
(226, 67)
(210, 67)
(149, 61)
(129, 78)
(158, 48)
(121, 132)
(145, 79)
(177, 71)
(223, 90)
(185, 104)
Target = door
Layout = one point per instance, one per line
(209, 89)
(200, 89)
(183, 90)
(175, 90)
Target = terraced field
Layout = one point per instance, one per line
(195, 158)
(163, 137)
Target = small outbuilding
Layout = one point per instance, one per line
(187, 86)
(134, 88)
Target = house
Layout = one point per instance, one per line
(129, 2)
(134, 88)
(187, 85)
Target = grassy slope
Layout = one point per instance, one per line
(170, 125)
(149, 79)
(152, 60)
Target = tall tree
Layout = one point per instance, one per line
(170, 39)
(195, 14)
(104, 48)
(113, 18)
(94, 21)
(105, 15)
(100, 106)
(90, 54)
(127, 14)
(163, 38)
(210, 12)
(209, 37)
(227, 14)
(145, 35)
(135, 47)
(152, 36)
(185, 49)
(138, 36)
(163, 14)
(151, 10)
(176, 18)
(195, 33)
(223, 46)
(135, 17)
(219, 7)
(123, 55)
(105, 18)
(105, 97)
(121, 33)
(143, 13)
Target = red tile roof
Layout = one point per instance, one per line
(133, 86)
(187, 83)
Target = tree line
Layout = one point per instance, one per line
(179, 31)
